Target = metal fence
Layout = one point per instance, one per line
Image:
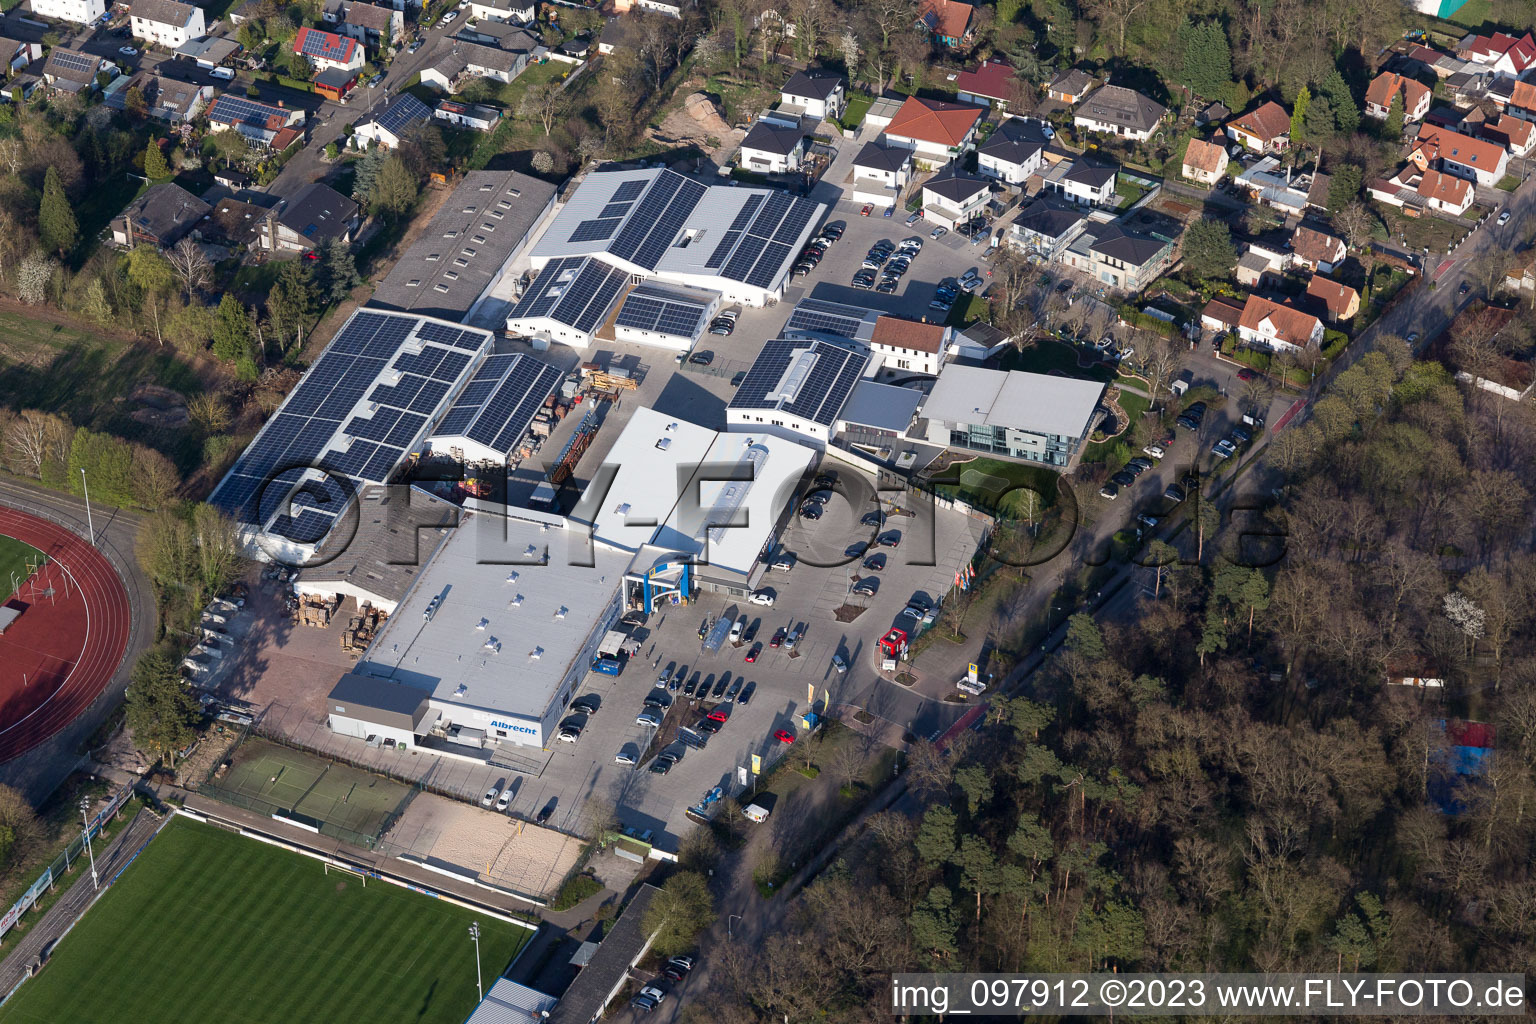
(73, 851)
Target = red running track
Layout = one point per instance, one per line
(62, 652)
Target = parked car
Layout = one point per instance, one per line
(746, 694)
(587, 705)
(737, 378)
(490, 796)
(709, 726)
(703, 358)
(866, 587)
(1155, 450)
(753, 652)
(719, 690)
(1123, 479)
(1223, 449)
(1503, 218)
(913, 219)
(938, 233)
(839, 664)
(649, 719)
(783, 735)
(833, 230)
(1110, 491)
(663, 763)
(1148, 520)
(1246, 374)
(1242, 434)
(127, 51)
(569, 734)
(762, 597)
(875, 562)
(1174, 493)
(505, 800)
(887, 286)
(778, 637)
(624, 757)
(869, 208)
(718, 715)
(890, 540)
(689, 686)
(724, 323)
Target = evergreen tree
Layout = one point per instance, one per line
(233, 335)
(1344, 186)
(1346, 112)
(1207, 59)
(293, 300)
(1392, 128)
(1208, 250)
(161, 710)
(155, 166)
(366, 173)
(1319, 122)
(340, 270)
(56, 225)
(1299, 116)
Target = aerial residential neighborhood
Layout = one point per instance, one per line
(690, 511)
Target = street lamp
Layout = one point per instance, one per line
(90, 524)
(85, 806)
(733, 917)
(474, 933)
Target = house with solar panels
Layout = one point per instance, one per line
(360, 411)
(391, 124)
(81, 12)
(327, 50)
(797, 387)
(166, 23)
(262, 125)
(72, 71)
(661, 225)
(314, 216)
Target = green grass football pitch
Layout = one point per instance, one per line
(208, 926)
(14, 558)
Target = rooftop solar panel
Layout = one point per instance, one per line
(73, 61)
(615, 209)
(402, 111)
(499, 416)
(651, 208)
(722, 250)
(325, 45)
(231, 109)
(799, 215)
(596, 230)
(821, 395)
(775, 257)
(644, 312)
(748, 208)
(628, 190)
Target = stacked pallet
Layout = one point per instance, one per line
(313, 610)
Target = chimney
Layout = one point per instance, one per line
(280, 104)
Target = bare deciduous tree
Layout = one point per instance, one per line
(186, 257)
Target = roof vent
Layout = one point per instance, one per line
(516, 602)
(536, 654)
(561, 612)
(664, 443)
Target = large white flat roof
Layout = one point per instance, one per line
(1037, 402)
(497, 589)
(678, 485)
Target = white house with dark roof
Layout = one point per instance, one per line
(315, 215)
(455, 63)
(880, 172)
(373, 26)
(81, 12)
(1116, 110)
(388, 126)
(1014, 151)
(165, 98)
(16, 54)
(1129, 260)
(1044, 227)
(953, 198)
(166, 23)
(815, 93)
(1082, 182)
(522, 11)
(773, 149)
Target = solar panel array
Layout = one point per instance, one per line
(576, 291)
(325, 45)
(401, 112)
(809, 317)
(500, 402)
(629, 190)
(661, 312)
(316, 427)
(656, 219)
(232, 109)
(820, 397)
(734, 233)
(766, 245)
(72, 61)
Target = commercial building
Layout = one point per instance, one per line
(490, 417)
(797, 387)
(1033, 417)
(465, 250)
(665, 315)
(658, 224)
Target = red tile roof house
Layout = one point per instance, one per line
(947, 22)
(1316, 250)
(1388, 85)
(1338, 301)
(1514, 134)
(1522, 101)
(1263, 130)
(935, 131)
(1483, 162)
(1204, 162)
(989, 84)
(1505, 54)
(1413, 188)
(1278, 327)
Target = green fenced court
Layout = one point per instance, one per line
(209, 926)
(17, 561)
(336, 799)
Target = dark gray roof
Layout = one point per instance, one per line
(165, 12)
(509, 200)
(609, 966)
(1092, 175)
(1048, 218)
(336, 78)
(72, 65)
(1016, 140)
(815, 84)
(318, 213)
(503, 35)
(771, 138)
(956, 188)
(1134, 250)
(881, 406)
(620, 31)
(882, 157)
(398, 529)
(1072, 81)
(166, 211)
(369, 16)
(383, 701)
(1115, 104)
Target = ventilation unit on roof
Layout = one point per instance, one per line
(512, 577)
(516, 602)
(561, 612)
(536, 654)
(482, 623)
(663, 443)
(622, 509)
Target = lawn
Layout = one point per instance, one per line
(858, 105)
(251, 933)
(1419, 233)
(1047, 355)
(997, 485)
(1129, 192)
(967, 310)
(14, 557)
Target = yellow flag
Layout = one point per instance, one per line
(757, 765)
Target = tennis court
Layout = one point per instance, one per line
(336, 799)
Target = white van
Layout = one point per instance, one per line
(228, 74)
(756, 812)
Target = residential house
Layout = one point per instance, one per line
(1445, 192)
(1500, 91)
(934, 130)
(668, 8)
(16, 54)
(1115, 110)
(167, 99)
(951, 197)
(455, 63)
(1078, 252)
(1338, 302)
(1522, 101)
(327, 50)
(1071, 86)
(1274, 248)
(1253, 270)
(1521, 276)
(1129, 260)
(390, 125)
(978, 342)
(1465, 86)
(375, 27)
(235, 223)
(1277, 326)
(1317, 193)
(773, 149)
(81, 12)
(907, 346)
(880, 172)
(336, 83)
(166, 23)
(72, 71)
(1222, 315)
(1503, 54)
(1204, 162)
(1082, 181)
(1316, 250)
(1044, 228)
(1515, 135)
(1216, 113)
(161, 217)
(521, 11)
(504, 35)
(1390, 85)
(948, 23)
(815, 93)
(1014, 151)
(261, 124)
(1475, 159)
(316, 214)
(989, 84)
(475, 116)
(619, 34)
(1265, 130)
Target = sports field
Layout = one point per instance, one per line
(14, 558)
(209, 926)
